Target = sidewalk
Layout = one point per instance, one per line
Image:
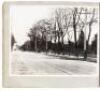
(72, 57)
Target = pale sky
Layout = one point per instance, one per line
(23, 17)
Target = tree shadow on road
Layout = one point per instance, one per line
(65, 57)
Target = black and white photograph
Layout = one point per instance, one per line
(53, 39)
(50, 44)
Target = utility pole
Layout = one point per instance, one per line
(85, 45)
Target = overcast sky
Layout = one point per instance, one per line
(23, 17)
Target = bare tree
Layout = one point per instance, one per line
(92, 20)
(76, 14)
(74, 26)
(41, 30)
(60, 27)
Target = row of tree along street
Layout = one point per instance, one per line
(49, 35)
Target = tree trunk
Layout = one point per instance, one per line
(74, 28)
(85, 46)
(87, 42)
(46, 44)
(35, 44)
(89, 33)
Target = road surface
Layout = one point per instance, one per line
(31, 63)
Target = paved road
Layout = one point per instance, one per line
(28, 63)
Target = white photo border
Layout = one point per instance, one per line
(34, 81)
